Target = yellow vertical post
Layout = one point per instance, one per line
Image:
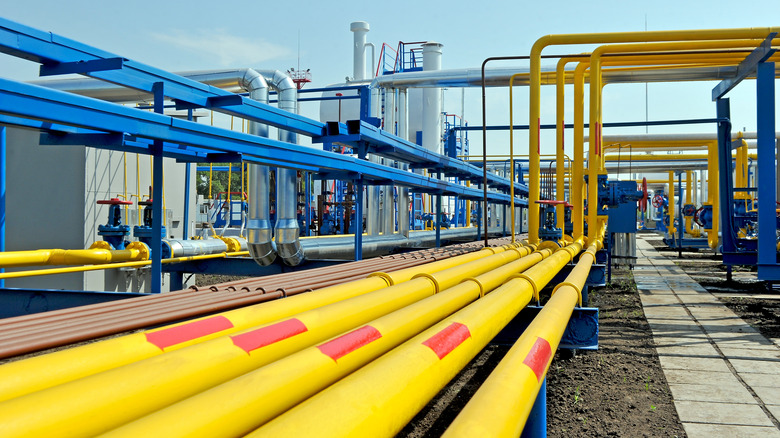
(578, 198)
(559, 137)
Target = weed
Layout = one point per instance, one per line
(577, 394)
(624, 379)
(647, 384)
(652, 408)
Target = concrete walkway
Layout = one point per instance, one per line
(723, 374)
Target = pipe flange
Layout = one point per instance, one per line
(143, 250)
(491, 249)
(233, 245)
(479, 284)
(574, 286)
(384, 276)
(530, 280)
(101, 244)
(436, 286)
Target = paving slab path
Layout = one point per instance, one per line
(723, 374)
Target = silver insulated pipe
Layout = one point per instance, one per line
(288, 245)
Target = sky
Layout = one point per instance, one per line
(193, 35)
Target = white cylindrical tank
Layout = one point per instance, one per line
(431, 119)
(360, 29)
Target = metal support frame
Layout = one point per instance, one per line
(768, 268)
(680, 219)
(157, 189)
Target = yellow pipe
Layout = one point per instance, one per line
(137, 389)
(380, 398)
(508, 394)
(578, 197)
(61, 257)
(242, 404)
(40, 372)
(135, 264)
(559, 141)
(665, 157)
(535, 80)
(596, 92)
(511, 157)
(713, 193)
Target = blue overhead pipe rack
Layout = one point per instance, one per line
(68, 119)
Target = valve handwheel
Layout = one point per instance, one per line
(697, 215)
(114, 201)
(643, 201)
(658, 201)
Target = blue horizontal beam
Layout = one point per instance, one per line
(384, 144)
(57, 107)
(51, 49)
(81, 67)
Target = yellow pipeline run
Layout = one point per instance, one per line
(380, 398)
(134, 390)
(507, 396)
(138, 264)
(95, 255)
(242, 404)
(34, 374)
(535, 81)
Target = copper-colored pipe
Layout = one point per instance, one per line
(50, 329)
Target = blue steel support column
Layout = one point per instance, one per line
(177, 278)
(2, 193)
(187, 176)
(503, 221)
(726, 181)
(479, 220)
(157, 213)
(437, 220)
(767, 222)
(307, 206)
(680, 220)
(359, 219)
(536, 425)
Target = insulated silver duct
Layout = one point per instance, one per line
(259, 232)
(343, 247)
(288, 245)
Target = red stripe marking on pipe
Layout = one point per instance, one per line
(271, 334)
(539, 357)
(343, 345)
(189, 331)
(445, 341)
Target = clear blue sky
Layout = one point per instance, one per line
(178, 35)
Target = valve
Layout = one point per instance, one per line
(658, 201)
(548, 229)
(643, 201)
(689, 210)
(704, 216)
(114, 232)
(144, 232)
